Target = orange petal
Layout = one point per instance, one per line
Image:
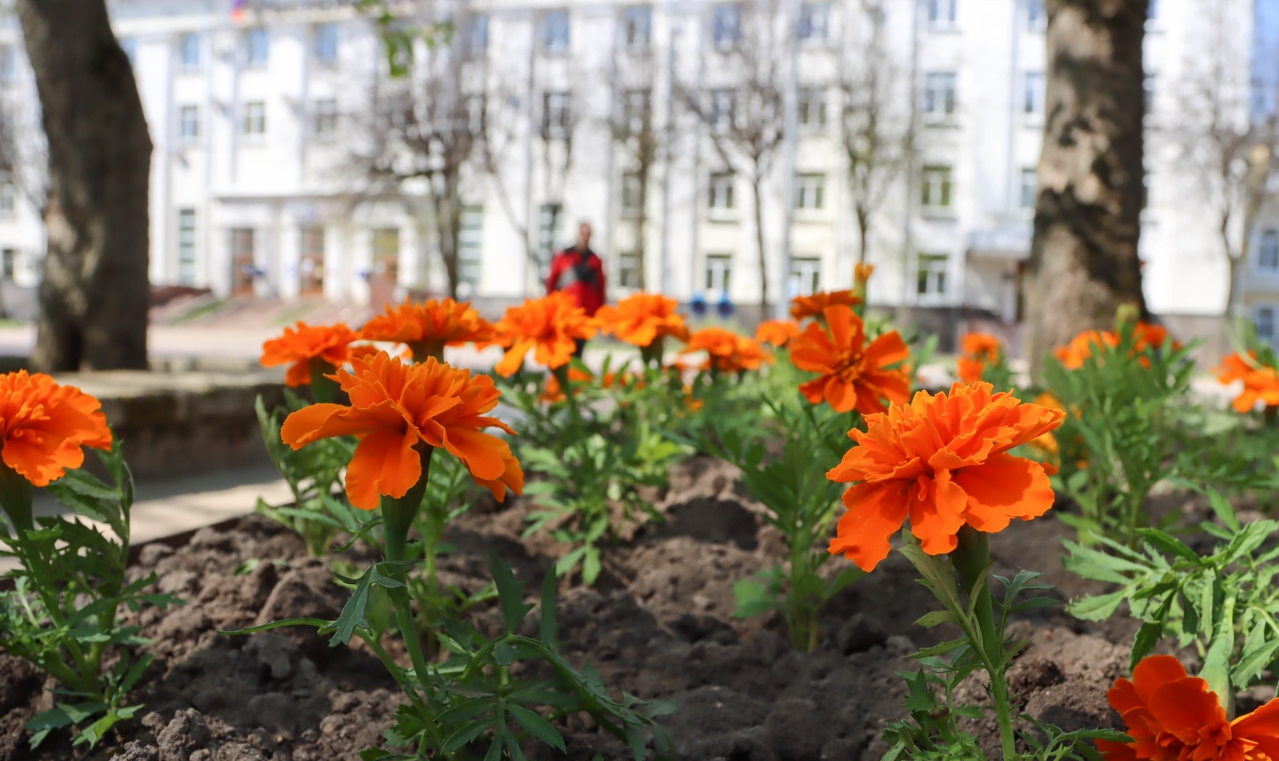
(299, 374)
(40, 459)
(1113, 751)
(513, 358)
(1261, 724)
(385, 462)
(322, 421)
(1153, 671)
(888, 349)
(1002, 488)
(937, 513)
(1187, 708)
(875, 513)
(480, 452)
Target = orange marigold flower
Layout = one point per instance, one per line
(854, 375)
(512, 476)
(1080, 348)
(728, 352)
(776, 332)
(303, 343)
(1260, 381)
(397, 408)
(979, 349)
(46, 426)
(942, 462)
(1172, 716)
(428, 326)
(642, 319)
(552, 392)
(549, 326)
(803, 307)
(862, 272)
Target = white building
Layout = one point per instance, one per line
(254, 119)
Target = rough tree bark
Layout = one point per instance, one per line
(1083, 258)
(94, 294)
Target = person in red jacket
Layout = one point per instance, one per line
(579, 272)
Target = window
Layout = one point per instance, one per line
(8, 197)
(477, 38)
(931, 276)
(189, 51)
(721, 191)
(548, 222)
(726, 25)
(939, 93)
(470, 238)
(254, 118)
(475, 113)
(1265, 319)
(635, 111)
(555, 32)
(718, 269)
(186, 247)
(1036, 19)
(814, 22)
(1152, 13)
(632, 193)
(9, 263)
(809, 191)
(326, 43)
(812, 109)
(723, 112)
(1268, 251)
(386, 254)
(311, 260)
(555, 114)
(1033, 96)
(188, 123)
(805, 276)
(325, 116)
(934, 188)
(130, 48)
(628, 271)
(1148, 85)
(1029, 184)
(8, 63)
(941, 14)
(243, 262)
(257, 48)
(637, 28)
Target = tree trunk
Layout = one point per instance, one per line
(862, 215)
(757, 195)
(1083, 258)
(94, 295)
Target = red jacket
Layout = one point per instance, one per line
(579, 274)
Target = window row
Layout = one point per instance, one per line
(323, 119)
(938, 96)
(932, 275)
(312, 246)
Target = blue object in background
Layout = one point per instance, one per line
(698, 304)
(724, 307)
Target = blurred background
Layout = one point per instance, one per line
(316, 159)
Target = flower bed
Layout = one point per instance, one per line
(726, 548)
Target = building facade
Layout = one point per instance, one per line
(657, 122)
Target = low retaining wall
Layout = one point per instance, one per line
(184, 423)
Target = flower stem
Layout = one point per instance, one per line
(397, 517)
(971, 558)
(323, 388)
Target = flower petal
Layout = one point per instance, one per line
(875, 513)
(937, 513)
(1002, 488)
(385, 462)
(480, 452)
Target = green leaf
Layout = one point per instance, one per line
(936, 618)
(1097, 607)
(752, 598)
(510, 594)
(537, 726)
(591, 565)
(1224, 510)
(1253, 661)
(1168, 543)
(466, 735)
(1144, 643)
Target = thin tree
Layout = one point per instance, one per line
(635, 134)
(875, 128)
(427, 127)
(1219, 149)
(1083, 258)
(741, 107)
(94, 295)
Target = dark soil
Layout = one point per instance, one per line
(658, 625)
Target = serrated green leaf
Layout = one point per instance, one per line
(1098, 607)
(510, 594)
(536, 726)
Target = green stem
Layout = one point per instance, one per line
(323, 389)
(397, 518)
(971, 558)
